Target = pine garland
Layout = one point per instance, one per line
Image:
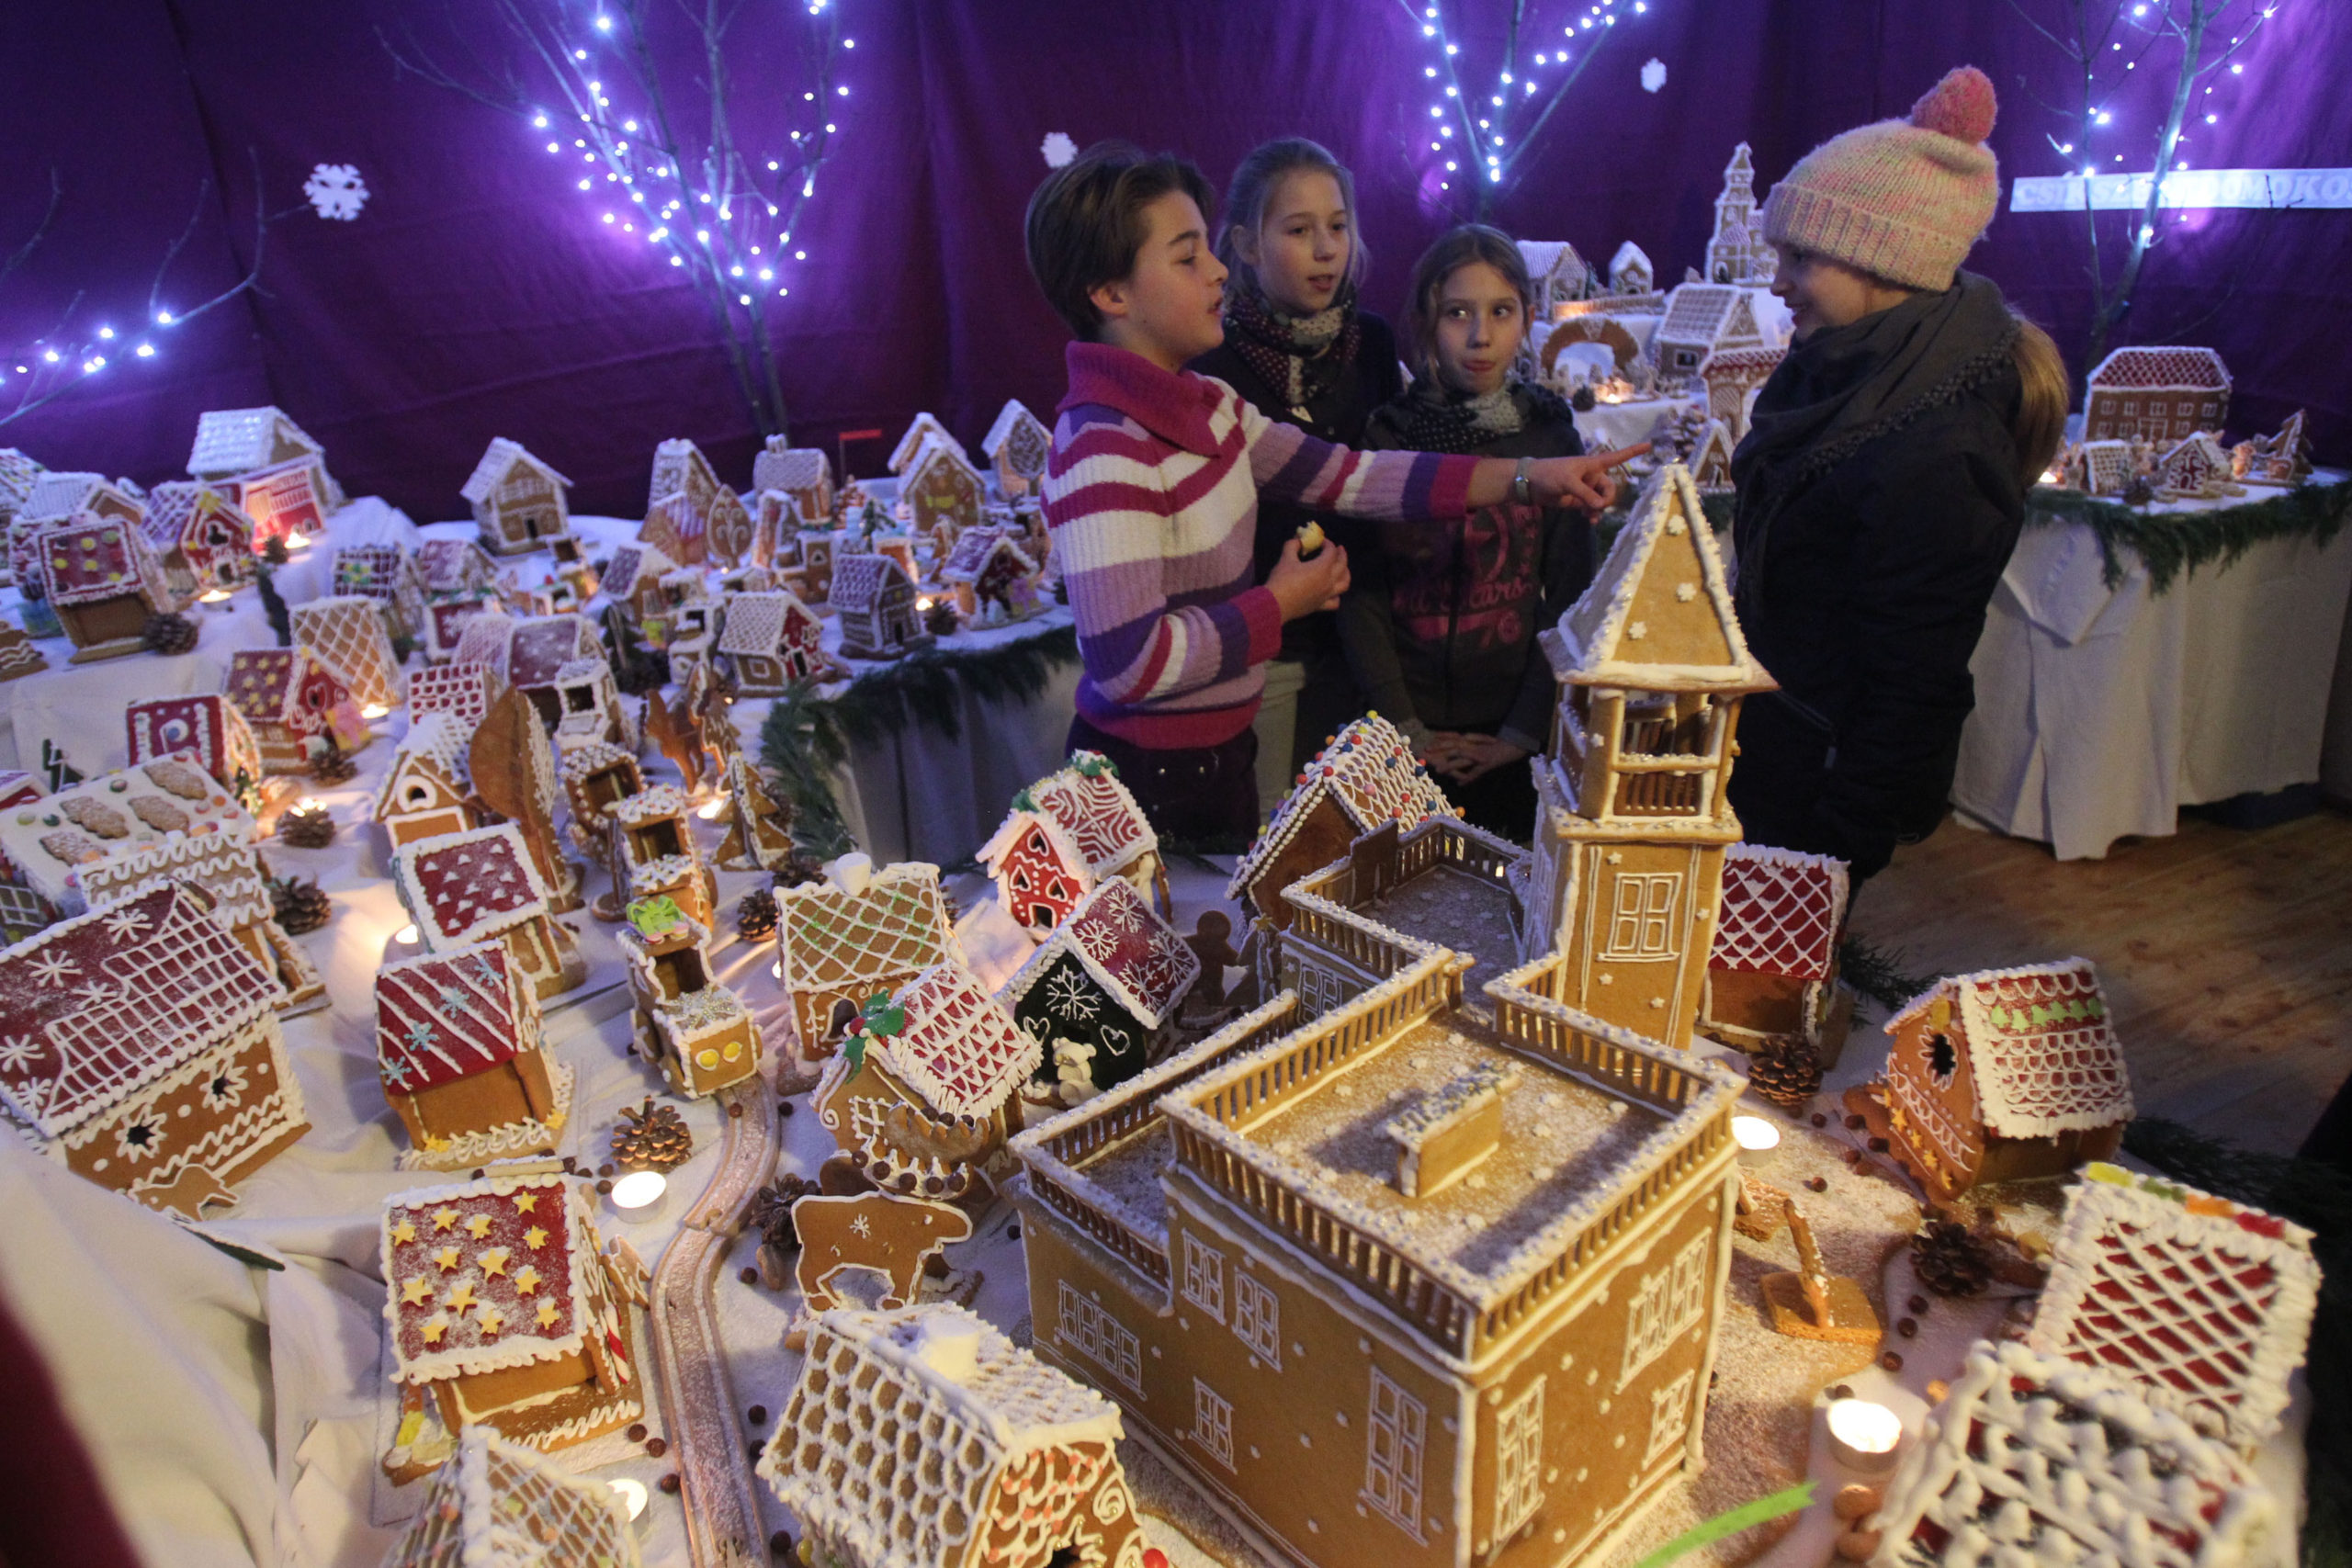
(2174, 543)
(1876, 976)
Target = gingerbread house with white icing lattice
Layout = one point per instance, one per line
(55, 843)
(2204, 1307)
(1701, 319)
(858, 931)
(1100, 994)
(498, 1505)
(802, 474)
(386, 574)
(875, 601)
(462, 889)
(1774, 973)
(457, 568)
(1365, 776)
(459, 1048)
(347, 634)
(225, 864)
(767, 642)
(139, 1048)
(2004, 1075)
(1064, 835)
(504, 1312)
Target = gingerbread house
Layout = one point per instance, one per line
(144, 1052)
(768, 642)
(1478, 1263)
(289, 503)
(230, 442)
(691, 628)
(346, 635)
(875, 601)
(204, 540)
(463, 691)
(504, 1312)
(2161, 395)
(101, 577)
(2284, 459)
(52, 841)
(1772, 974)
(2103, 468)
(224, 866)
(811, 576)
(519, 502)
(1732, 378)
(633, 578)
(2196, 466)
(697, 1031)
(1632, 816)
(958, 1055)
(590, 701)
(759, 827)
(463, 889)
(676, 526)
(446, 621)
(205, 725)
(654, 853)
(513, 771)
(427, 793)
(597, 775)
(940, 485)
(2203, 1305)
(1367, 776)
(1557, 275)
(1100, 993)
(925, 428)
(458, 567)
(530, 653)
(2031, 1459)
(18, 473)
(2004, 1075)
(801, 473)
(999, 583)
(731, 535)
(858, 931)
(1629, 271)
(1737, 251)
(1017, 446)
(1701, 319)
(386, 574)
(498, 1505)
(292, 701)
(922, 1437)
(1065, 834)
(457, 1045)
(1711, 459)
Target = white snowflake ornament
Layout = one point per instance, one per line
(1653, 75)
(1059, 148)
(336, 190)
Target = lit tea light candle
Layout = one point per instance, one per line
(638, 1195)
(218, 596)
(1863, 1436)
(298, 541)
(1759, 1140)
(712, 807)
(374, 710)
(407, 936)
(631, 1493)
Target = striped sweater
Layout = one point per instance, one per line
(1152, 494)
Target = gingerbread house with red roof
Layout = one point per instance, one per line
(458, 1044)
(1367, 776)
(2204, 1307)
(1064, 835)
(288, 501)
(463, 691)
(454, 567)
(530, 653)
(2004, 1075)
(1773, 972)
(102, 578)
(504, 1312)
(446, 621)
(468, 887)
(2159, 394)
(206, 724)
(291, 700)
(203, 539)
(858, 931)
(633, 577)
(1100, 994)
(767, 642)
(139, 1048)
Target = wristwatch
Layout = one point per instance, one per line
(1521, 491)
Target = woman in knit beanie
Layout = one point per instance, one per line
(1882, 480)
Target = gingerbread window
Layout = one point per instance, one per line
(1394, 1438)
(1204, 1277)
(1102, 1338)
(1643, 923)
(1212, 1423)
(1668, 1300)
(1669, 1415)
(1518, 1461)
(1257, 1319)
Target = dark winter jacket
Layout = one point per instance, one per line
(1878, 500)
(1440, 622)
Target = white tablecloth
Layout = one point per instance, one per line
(2102, 711)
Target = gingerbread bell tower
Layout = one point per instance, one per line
(1632, 819)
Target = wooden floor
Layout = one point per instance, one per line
(2226, 956)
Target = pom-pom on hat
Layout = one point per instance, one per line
(1903, 199)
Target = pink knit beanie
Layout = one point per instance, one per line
(1903, 199)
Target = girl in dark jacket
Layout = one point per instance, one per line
(1297, 347)
(1440, 622)
(1882, 481)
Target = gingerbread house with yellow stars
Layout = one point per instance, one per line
(504, 1311)
(1407, 1284)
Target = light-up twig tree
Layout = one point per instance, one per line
(656, 136)
(2105, 44)
(1485, 134)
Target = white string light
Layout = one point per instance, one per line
(1503, 130)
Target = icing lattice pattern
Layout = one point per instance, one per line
(960, 1050)
(1781, 912)
(498, 1505)
(1099, 814)
(2169, 369)
(897, 926)
(2045, 1059)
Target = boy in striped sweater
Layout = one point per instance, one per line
(1152, 491)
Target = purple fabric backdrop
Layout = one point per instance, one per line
(478, 296)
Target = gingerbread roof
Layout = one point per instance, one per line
(2045, 1058)
(225, 864)
(1657, 615)
(1630, 257)
(674, 461)
(488, 1275)
(264, 683)
(98, 1007)
(893, 1445)
(1122, 942)
(1781, 913)
(829, 937)
(793, 468)
(632, 564)
(92, 558)
(449, 1015)
(2167, 369)
(1704, 314)
(490, 472)
(1748, 364)
(1549, 258)
(2204, 1305)
(18, 473)
(766, 622)
(462, 691)
(464, 887)
(662, 802)
(499, 1504)
(925, 428)
(936, 450)
(973, 548)
(204, 723)
(176, 506)
(236, 441)
(2032, 1460)
(53, 493)
(54, 842)
(373, 571)
(860, 581)
(543, 645)
(1369, 772)
(453, 566)
(1095, 809)
(2195, 454)
(960, 1050)
(487, 639)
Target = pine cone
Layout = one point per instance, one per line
(652, 1137)
(306, 827)
(1786, 1071)
(169, 633)
(755, 915)
(1949, 1259)
(332, 766)
(800, 871)
(300, 906)
(771, 1211)
(939, 620)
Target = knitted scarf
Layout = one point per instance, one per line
(1438, 419)
(1300, 357)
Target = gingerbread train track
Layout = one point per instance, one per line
(717, 1487)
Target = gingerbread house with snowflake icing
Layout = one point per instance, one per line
(1064, 835)
(139, 1048)
(1367, 776)
(922, 1437)
(1475, 1257)
(858, 931)
(1100, 994)
(2004, 1075)
(504, 1311)
(1773, 971)
(498, 1505)
(958, 1055)
(459, 1048)
(463, 889)
(2204, 1307)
